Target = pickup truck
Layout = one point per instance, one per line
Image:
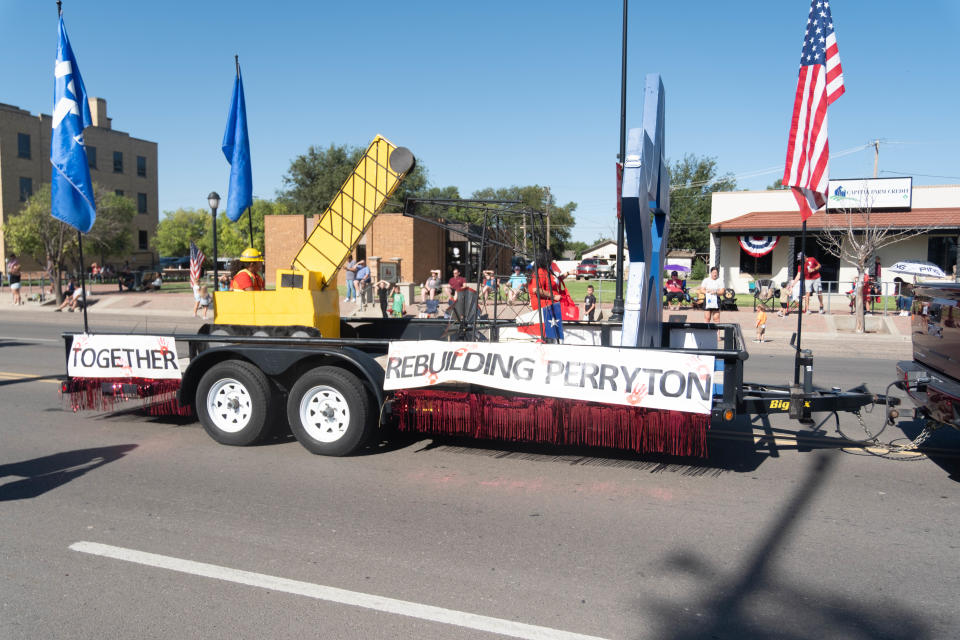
(594, 268)
(932, 378)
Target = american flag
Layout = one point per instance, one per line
(196, 264)
(820, 83)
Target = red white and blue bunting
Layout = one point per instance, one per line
(758, 246)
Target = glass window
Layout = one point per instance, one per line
(119, 192)
(26, 188)
(141, 166)
(141, 203)
(23, 145)
(142, 238)
(118, 161)
(942, 251)
(756, 266)
(92, 157)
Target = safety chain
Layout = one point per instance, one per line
(929, 426)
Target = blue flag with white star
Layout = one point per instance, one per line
(236, 148)
(71, 187)
(552, 322)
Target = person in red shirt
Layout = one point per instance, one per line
(547, 287)
(456, 282)
(811, 282)
(248, 277)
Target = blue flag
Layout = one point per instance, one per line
(552, 322)
(71, 187)
(236, 147)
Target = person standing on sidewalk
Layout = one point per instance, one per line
(811, 282)
(13, 274)
(361, 284)
(350, 273)
(712, 289)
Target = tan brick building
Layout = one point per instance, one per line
(118, 162)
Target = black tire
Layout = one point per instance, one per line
(234, 402)
(330, 412)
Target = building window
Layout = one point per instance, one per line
(942, 251)
(141, 166)
(118, 161)
(92, 157)
(141, 203)
(142, 238)
(26, 188)
(756, 266)
(118, 192)
(23, 145)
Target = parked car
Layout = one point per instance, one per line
(594, 268)
(174, 263)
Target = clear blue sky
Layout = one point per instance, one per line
(493, 93)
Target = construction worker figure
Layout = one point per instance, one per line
(248, 277)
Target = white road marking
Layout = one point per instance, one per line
(331, 594)
(21, 339)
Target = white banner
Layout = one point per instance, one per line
(648, 378)
(128, 356)
(870, 194)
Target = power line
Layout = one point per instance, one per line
(924, 175)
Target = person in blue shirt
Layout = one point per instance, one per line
(516, 282)
(362, 282)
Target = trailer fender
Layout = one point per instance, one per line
(279, 361)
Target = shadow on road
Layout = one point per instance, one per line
(41, 475)
(759, 601)
(8, 381)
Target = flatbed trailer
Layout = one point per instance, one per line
(330, 391)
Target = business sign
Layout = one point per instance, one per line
(871, 194)
(123, 356)
(647, 378)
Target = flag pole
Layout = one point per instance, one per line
(83, 280)
(802, 269)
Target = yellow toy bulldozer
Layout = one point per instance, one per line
(306, 295)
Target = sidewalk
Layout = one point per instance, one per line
(824, 331)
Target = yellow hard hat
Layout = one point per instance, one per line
(251, 255)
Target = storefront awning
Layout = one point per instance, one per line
(788, 222)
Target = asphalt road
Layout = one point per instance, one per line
(123, 525)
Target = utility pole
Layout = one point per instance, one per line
(876, 156)
(548, 218)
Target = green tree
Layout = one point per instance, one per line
(36, 233)
(178, 228)
(692, 181)
(315, 177)
(578, 247)
(777, 185)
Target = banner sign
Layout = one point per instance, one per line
(648, 378)
(870, 194)
(758, 246)
(128, 356)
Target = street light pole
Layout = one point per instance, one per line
(214, 201)
(616, 313)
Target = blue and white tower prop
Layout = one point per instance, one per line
(646, 220)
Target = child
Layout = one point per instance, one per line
(784, 300)
(204, 300)
(398, 302)
(761, 324)
(589, 303)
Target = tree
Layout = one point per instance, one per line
(178, 228)
(692, 181)
(777, 185)
(315, 177)
(856, 236)
(35, 232)
(577, 247)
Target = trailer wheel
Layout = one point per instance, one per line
(329, 412)
(233, 403)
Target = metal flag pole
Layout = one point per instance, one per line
(617, 312)
(83, 283)
(802, 270)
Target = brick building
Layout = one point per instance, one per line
(118, 162)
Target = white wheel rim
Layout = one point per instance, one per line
(229, 405)
(324, 413)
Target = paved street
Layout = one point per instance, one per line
(125, 525)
